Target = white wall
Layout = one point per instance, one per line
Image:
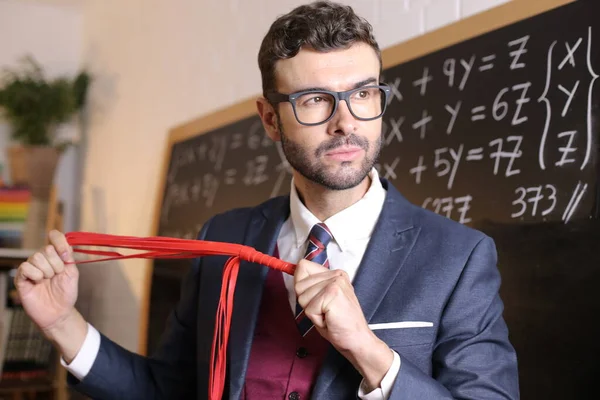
(54, 36)
(158, 64)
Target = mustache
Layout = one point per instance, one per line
(339, 141)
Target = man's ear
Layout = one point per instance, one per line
(269, 118)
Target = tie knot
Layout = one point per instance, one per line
(320, 235)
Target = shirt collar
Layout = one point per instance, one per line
(354, 222)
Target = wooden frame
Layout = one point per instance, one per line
(495, 18)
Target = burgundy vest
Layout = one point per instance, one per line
(282, 364)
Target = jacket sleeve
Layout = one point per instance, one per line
(473, 358)
(169, 374)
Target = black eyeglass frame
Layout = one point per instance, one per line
(275, 98)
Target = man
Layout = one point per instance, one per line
(395, 303)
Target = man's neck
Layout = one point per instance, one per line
(323, 202)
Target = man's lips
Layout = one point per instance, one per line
(344, 153)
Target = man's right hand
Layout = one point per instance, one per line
(47, 285)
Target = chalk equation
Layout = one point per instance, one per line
(475, 123)
(201, 171)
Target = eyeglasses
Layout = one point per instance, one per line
(315, 107)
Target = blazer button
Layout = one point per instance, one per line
(294, 396)
(301, 352)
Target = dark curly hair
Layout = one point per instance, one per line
(321, 25)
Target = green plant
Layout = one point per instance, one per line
(35, 105)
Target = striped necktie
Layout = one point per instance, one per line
(316, 251)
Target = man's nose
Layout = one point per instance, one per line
(344, 122)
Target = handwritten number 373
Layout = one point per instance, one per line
(533, 196)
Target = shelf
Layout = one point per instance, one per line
(54, 385)
(38, 385)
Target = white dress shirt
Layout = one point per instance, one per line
(351, 229)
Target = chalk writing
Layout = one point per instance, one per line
(448, 206)
(500, 129)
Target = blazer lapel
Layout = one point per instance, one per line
(390, 244)
(262, 235)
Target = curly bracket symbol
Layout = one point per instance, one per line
(590, 94)
(548, 107)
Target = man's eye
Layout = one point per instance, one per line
(315, 100)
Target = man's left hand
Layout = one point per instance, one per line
(328, 299)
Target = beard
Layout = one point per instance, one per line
(309, 166)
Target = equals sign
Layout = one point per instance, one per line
(236, 140)
(475, 154)
(230, 176)
(487, 63)
(477, 113)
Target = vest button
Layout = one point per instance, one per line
(301, 352)
(294, 396)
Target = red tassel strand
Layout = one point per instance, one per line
(164, 247)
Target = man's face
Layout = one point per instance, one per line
(340, 153)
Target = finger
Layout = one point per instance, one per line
(306, 296)
(39, 261)
(28, 271)
(54, 260)
(317, 309)
(306, 268)
(312, 280)
(59, 241)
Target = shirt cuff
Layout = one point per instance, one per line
(387, 383)
(83, 361)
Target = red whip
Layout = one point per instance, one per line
(164, 247)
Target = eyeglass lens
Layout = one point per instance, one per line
(316, 107)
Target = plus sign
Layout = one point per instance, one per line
(423, 81)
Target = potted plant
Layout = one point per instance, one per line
(36, 107)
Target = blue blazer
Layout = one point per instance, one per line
(418, 266)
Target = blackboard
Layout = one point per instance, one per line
(498, 131)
